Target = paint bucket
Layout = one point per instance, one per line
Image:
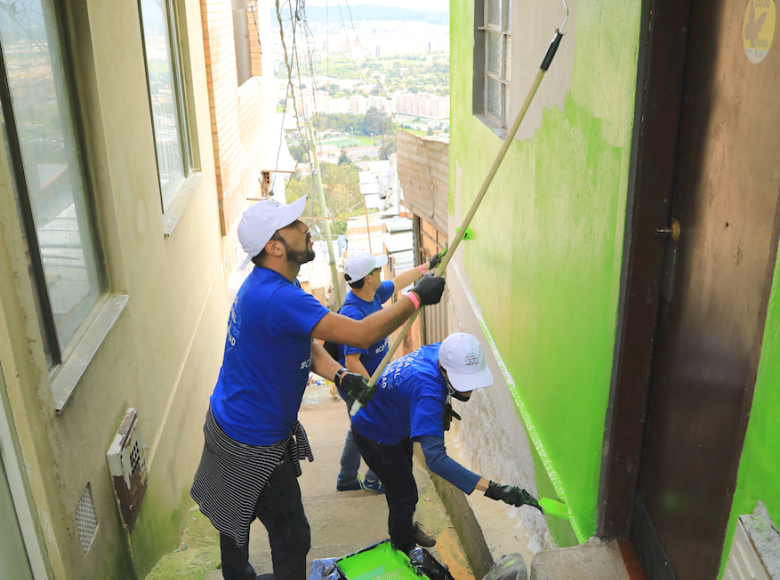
(383, 562)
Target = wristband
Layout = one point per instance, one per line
(421, 268)
(337, 377)
(413, 297)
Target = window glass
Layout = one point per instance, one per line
(494, 56)
(48, 146)
(165, 98)
(30, 246)
(495, 99)
(493, 15)
(241, 39)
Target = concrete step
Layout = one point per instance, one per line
(593, 560)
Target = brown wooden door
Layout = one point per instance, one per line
(714, 296)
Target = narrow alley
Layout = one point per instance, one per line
(582, 196)
(341, 522)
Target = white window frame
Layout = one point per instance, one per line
(185, 145)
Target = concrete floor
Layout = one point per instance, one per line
(341, 522)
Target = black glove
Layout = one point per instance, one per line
(435, 261)
(429, 288)
(355, 386)
(512, 495)
(449, 414)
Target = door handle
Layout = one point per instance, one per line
(672, 232)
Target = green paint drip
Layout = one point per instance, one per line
(529, 424)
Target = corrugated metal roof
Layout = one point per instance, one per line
(423, 171)
(399, 225)
(398, 242)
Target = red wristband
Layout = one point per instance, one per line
(413, 297)
(421, 268)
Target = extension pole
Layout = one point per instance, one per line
(324, 209)
(474, 206)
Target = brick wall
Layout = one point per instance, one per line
(237, 113)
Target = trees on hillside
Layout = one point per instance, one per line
(341, 186)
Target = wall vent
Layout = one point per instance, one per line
(127, 464)
(755, 550)
(86, 520)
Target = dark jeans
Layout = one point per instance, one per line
(280, 509)
(393, 465)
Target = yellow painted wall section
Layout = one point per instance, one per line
(545, 260)
(163, 354)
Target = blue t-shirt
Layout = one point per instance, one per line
(357, 309)
(410, 400)
(267, 359)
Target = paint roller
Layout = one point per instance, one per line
(548, 58)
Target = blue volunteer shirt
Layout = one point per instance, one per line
(410, 401)
(357, 309)
(267, 359)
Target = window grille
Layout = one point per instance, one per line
(86, 519)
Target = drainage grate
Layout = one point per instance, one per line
(86, 520)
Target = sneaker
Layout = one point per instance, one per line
(355, 485)
(421, 538)
(373, 485)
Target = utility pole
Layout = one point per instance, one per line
(324, 209)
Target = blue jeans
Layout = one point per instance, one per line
(350, 456)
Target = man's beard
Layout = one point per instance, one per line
(300, 256)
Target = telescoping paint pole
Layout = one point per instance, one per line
(548, 58)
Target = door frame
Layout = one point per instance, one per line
(20, 493)
(663, 43)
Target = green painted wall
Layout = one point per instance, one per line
(546, 258)
(759, 468)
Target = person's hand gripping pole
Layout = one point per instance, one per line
(510, 136)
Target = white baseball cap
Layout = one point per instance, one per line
(262, 220)
(461, 356)
(358, 266)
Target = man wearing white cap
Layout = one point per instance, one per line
(253, 440)
(413, 404)
(362, 271)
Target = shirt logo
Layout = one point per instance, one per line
(381, 348)
(306, 364)
(234, 326)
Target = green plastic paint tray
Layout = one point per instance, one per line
(378, 562)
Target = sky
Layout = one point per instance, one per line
(432, 5)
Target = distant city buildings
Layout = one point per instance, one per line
(423, 105)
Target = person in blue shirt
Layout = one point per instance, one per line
(253, 439)
(362, 271)
(413, 404)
